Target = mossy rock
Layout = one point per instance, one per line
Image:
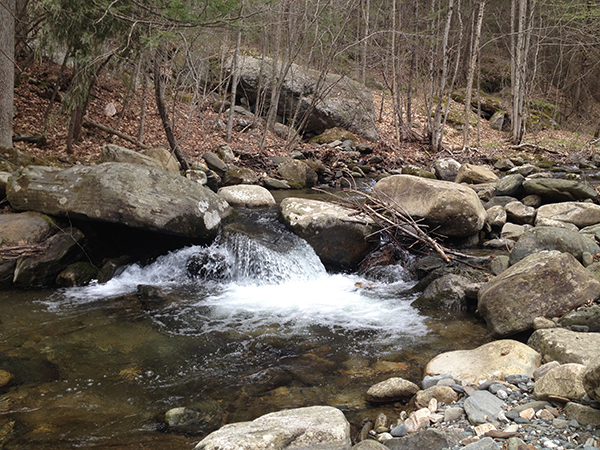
(77, 274)
(334, 134)
(489, 103)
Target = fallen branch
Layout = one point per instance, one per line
(536, 147)
(125, 137)
(17, 251)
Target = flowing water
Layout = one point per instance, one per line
(249, 325)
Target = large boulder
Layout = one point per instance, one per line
(579, 214)
(339, 237)
(297, 173)
(332, 101)
(507, 357)
(128, 194)
(557, 190)
(543, 284)
(448, 208)
(551, 238)
(315, 427)
(565, 346)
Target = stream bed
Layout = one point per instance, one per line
(248, 325)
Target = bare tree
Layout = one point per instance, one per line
(7, 72)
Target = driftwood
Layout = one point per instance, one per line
(395, 223)
(89, 122)
(17, 251)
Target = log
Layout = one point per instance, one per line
(89, 122)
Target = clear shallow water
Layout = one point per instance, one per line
(249, 325)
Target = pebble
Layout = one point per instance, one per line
(538, 425)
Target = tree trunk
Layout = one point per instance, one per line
(519, 67)
(471, 72)
(7, 72)
(235, 78)
(159, 89)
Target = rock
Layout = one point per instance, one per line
(471, 174)
(444, 394)
(272, 183)
(114, 153)
(565, 346)
(584, 415)
(588, 316)
(432, 380)
(542, 284)
(197, 176)
(4, 176)
(215, 163)
(449, 292)
(512, 231)
(417, 171)
(224, 152)
(578, 213)
(506, 357)
(77, 274)
(340, 238)
(42, 269)
(535, 201)
(369, 444)
(496, 216)
(429, 439)
(553, 190)
(110, 267)
(418, 420)
(592, 230)
(297, 174)
(392, 390)
(544, 369)
(315, 427)
(510, 185)
(565, 381)
(486, 443)
(342, 103)
(452, 209)
(166, 157)
(129, 194)
(25, 228)
(591, 379)
(497, 121)
(550, 238)
(482, 407)
(246, 195)
(518, 213)
(5, 377)
(446, 168)
(239, 176)
(544, 222)
(499, 264)
(542, 322)
(195, 421)
(499, 200)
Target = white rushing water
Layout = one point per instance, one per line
(265, 281)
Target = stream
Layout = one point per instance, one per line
(248, 325)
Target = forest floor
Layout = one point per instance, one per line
(198, 129)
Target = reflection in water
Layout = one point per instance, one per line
(248, 325)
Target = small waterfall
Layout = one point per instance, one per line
(256, 279)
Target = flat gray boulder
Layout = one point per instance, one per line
(449, 208)
(579, 214)
(315, 427)
(565, 346)
(246, 195)
(482, 407)
(128, 194)
(546, 284)
(550, 238)
(333, 101)
(506, 356)
(558, 190)
(340, 238)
